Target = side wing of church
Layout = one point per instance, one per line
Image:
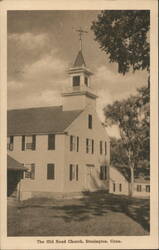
(65, 149)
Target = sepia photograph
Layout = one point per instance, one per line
(81, 169)
(78, 140)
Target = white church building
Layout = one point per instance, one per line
(65, 149)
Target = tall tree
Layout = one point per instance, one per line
(132, 118)
(124, 36)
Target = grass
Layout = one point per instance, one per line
(97, 214)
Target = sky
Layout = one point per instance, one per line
(42, 45)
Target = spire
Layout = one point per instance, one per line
(79, 61)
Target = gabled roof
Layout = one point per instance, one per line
(12, 164)
(79, 62)
(40, 120)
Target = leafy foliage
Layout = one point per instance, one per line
(132, 117)
(124, 36)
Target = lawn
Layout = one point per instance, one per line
(97, 214)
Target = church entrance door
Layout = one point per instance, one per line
(90, 178)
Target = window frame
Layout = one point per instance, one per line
(30, 172)
(74, 143)
(103, 173)
(89, 146)
(76, 80)
(147, 188)
(52, 177)
(51, 141)
(86, 81)
(139, 188)
(73, 172)
(26, 145)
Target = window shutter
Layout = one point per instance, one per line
(23, 142)
(77, 172)
(101, 173)
(105, 147)
(50, 171)
(34, 142)
(71, 171)
(105, 167)
(32, 171)
(101, 147)
(11, 139)
(87, 145)
(92, 146)
(90, 121)
(77, 143)
(113, 187)
(53, 139)
(71, 143)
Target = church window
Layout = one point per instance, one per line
(74, 143)
(10, 142)
(50, 171)
(89, 146)
(103, 172)
(73, 172)
(147, 188)
(76, 81)
(90, 121)
(30, 173)
(86, 81)
(28, 142)
(138, 188)
(51, 142)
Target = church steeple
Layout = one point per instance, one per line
(79, 61)
(79, 92)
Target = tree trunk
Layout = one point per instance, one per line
(131, 180)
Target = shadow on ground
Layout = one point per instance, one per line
(99, 204)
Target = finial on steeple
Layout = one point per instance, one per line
(81, 32)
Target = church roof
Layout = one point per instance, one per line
(42, 120)
(79, 62)
(12, 164)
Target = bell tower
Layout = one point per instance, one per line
(78, 94)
